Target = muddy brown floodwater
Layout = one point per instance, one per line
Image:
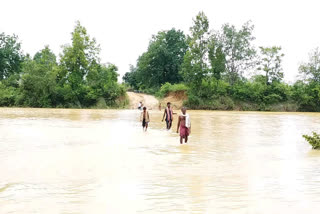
(100, 161)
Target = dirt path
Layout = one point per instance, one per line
(148, 100)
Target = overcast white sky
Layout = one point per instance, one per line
(123, 28)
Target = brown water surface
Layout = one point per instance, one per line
(100, 161)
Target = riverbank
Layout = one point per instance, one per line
(224, 103)
(180, 98)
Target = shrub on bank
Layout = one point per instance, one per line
(257, 91)
(7, 95)
(253, 95)
(307, 96)
(219, 103)
(168, 87)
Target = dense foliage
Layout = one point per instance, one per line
(11, 56)
(314, 140)
(217, 69)
(160, 63)
(79, 79)
(222, 69)
(169, 88)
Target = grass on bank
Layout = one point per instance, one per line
(211, 97)
(169, 88)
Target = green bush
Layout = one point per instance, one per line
(211, 94)
(219, 103)
(257, 91)
(167, 88)
(149, 90)
(272, 98)
(314, 140)
(7, 95)
(249, 91)
(307, 96)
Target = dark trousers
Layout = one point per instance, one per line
(169, 123)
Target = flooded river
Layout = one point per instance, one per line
(100, 161)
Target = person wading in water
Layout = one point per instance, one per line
(184, 124)
(169, 115)
(145, 119)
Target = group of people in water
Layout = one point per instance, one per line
(183, 126)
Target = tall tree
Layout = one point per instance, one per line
(271, 63)
(11, 55)
(131, 77)
(38, 80)
(46, 57)
(161, 62)
(238, 49)
(102, 84)
(311, 69)
(195, 67)
(76, 61)
(217, 58)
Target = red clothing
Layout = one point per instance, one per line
(184, 131)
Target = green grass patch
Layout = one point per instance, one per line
(167, 88)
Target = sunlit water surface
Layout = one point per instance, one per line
(100, 161)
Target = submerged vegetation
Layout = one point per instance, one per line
(314, 140)
(222, 69)
(77, 80)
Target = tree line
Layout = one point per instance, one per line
(223, 69)
(78, 79)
